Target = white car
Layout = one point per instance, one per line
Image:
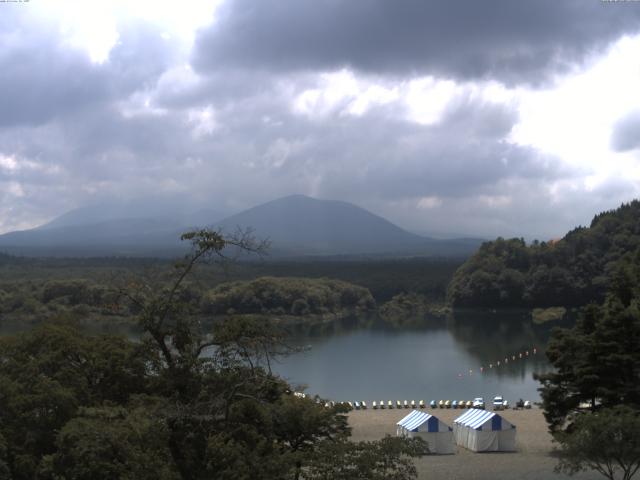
(478, 402)
(498, 403)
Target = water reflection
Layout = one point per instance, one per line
(437, 360)
(363, 359)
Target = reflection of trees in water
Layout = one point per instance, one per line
(492, 336)
(326, 327)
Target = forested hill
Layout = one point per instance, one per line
(569, 272)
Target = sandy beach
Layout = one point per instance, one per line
(532, 461)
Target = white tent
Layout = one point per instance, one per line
(437, 434)
(482, 431)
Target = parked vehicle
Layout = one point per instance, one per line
(478, 402)
(498, 402)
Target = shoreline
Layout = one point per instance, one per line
(533, 459)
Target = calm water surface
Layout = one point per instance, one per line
(427, 363)
(432, 362)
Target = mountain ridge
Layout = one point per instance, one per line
(296, 225)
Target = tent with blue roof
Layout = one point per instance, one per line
(437, 434)
(483, 431)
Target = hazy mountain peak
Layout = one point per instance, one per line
(295, 224)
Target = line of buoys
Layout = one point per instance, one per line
(492, 365)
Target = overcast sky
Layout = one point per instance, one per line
(484, 118)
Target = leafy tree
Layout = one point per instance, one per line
(607, 441)
(47, 374)
(300, 424)
(111, 442)
(389, 458)
(184, 402)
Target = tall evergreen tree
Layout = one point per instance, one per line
(597, 362)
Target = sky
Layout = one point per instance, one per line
(447, 117)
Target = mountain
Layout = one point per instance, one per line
(142, 227)
(179, 211)
(295, 225)
(300, 225)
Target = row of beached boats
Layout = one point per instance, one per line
(498, 403)
(459, 404)
(412, 404)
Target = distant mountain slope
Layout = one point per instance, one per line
(573, 271)
(302, 223)
(142, 227)
(172, 210)
(130, 237)
(296, 225)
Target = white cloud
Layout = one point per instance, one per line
(203, 121)
(427, 98)
(15, 189)
(94, 25)
(344, 93)
(574, 120)
(8, 162)
(427, 203)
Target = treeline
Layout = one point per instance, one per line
(33, 301)
(30, 301)
(591, 398)
(296, 301)
(570, 272)
(33, 290)
(288, 296)
(384, 278)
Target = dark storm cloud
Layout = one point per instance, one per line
(513, 41)
(41, 77)
(626, 133)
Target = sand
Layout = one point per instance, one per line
(533, 460)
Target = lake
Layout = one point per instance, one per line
(440, 360)
(434, 362)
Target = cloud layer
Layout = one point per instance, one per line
(415, 110)
(515, 42)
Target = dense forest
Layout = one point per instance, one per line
(297, 299)
(80, 406)
(33, 290)
(383, 277)
(569, 272)
(288, 296)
